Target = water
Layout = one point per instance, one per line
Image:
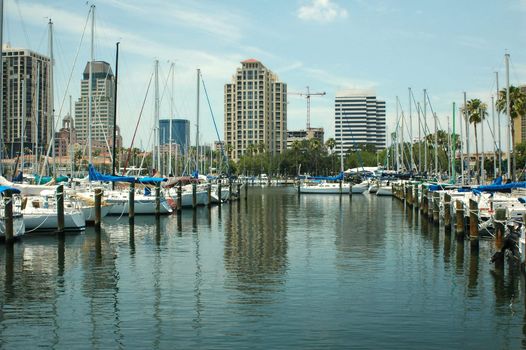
(278, 272)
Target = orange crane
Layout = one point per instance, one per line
(307, 94)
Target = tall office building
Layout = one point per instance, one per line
(359, 121)
(255, 110)
(103, 91)
(180, 132)
(26, 109)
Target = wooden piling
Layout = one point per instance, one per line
(447, 211)
(60, 208)
(194, 195)
(473, 220)
(179, 197)
(500, 227)
(246, 190)
(8, 213)
(459, 216)
(131, 201)
(436, 208)
(98, 203)
(209, 192)
(430, 205)
(157, 199)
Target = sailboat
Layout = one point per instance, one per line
(18, 219)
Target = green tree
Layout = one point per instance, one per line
(476, 112)
(517, 110)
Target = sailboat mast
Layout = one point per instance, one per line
(425, 128)
(482, 168)
(156, 156)
(411, 165)
(453, 148)
(71, 148)
(436, 144)
(508, 150)
(37, 121)
(51, 98)
(23, 128)
(2, 88)
(494, 141)
(467, 137)
(461, 146)
(171, 121)
(499, 123)
(90, 86)
(197, 119)
(114, 145)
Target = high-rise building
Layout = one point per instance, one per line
(255, 110)
(26, 107)
(180, 132)
(359, 121)
(519, 124)
(103, 91)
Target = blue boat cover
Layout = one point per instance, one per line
(328, 178)
(501, 188)
(19, 177)
(146, 180)
(94, 175)
(6, 188)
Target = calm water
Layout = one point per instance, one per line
(276, 272)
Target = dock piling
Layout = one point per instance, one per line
(194, 195)
(500, 219)
(131, 202)
(60, 208)
(436, 208)
(209, 192)
(179, 197)
(157, 199)
(473, 220)
(459, 216)
(8, 213)
(98, 203)
(447, 211)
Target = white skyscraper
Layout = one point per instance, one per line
(359, 120)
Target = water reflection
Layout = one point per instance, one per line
(255, 251)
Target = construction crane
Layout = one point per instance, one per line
(307, 94)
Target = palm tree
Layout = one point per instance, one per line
(476, 111)
(330, 144)
(517, 109)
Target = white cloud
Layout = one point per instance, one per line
(321, 11)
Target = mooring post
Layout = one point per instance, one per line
(459, 216)
(209, 192)
(430, 205)
(98, 203)
(8, 213)
(194, 195)
(436, 208)
(60, 208)
(422, 198)
(473, 220)
(424, 201)
(246, 190)
(500, 220)
(157, 199)
(131, 201)
(179, 197)
(447, 211)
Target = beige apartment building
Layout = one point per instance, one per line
(255, 110)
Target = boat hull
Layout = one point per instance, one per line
(46, 220)
(19, 227)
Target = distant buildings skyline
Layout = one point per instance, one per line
(180, 132)
(26, 102)
(255, 110)
(359, 120)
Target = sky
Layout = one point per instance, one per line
(446, 47)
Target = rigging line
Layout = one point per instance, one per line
(22, 22)
(137, 125)
(214, 120)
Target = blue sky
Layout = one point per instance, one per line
(444, 46)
